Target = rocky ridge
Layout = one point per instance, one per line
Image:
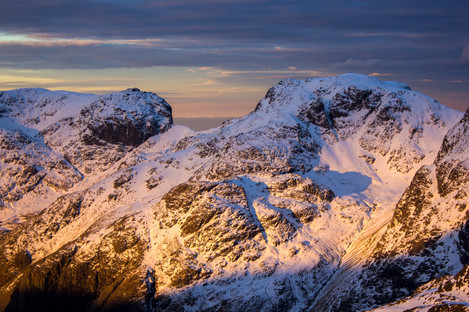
(263, 213)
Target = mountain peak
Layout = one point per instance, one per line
(132, 90)
(291, 92)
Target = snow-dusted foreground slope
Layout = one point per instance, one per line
(338, 194)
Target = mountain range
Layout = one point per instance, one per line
(343, 193)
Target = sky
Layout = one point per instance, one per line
(217, 58)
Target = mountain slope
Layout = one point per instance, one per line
(452, 179)
(262, 213)
(448, 293)
(425, 239)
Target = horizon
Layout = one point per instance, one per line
(217, 59)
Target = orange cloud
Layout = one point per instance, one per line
(379, 74)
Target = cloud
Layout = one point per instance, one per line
(241, 41)
(48, 40)
(289, 72)
(363, 63)
(8, 79)
(206, 83)
(286, 49)
(388, 34)
(234, 34)
(241, 19)
(380, 74)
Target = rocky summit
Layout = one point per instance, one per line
(343, 193)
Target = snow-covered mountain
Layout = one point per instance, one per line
(335, 194)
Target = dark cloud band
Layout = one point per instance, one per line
(413, 40)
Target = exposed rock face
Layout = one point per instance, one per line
(30, 170)
(61, 262)
(426, 237)
(126, 124)
(224, 231)
(337, 194)
(107, 128)
(452, 167)
(443, 294)
(91, 132)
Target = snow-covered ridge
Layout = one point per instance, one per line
(264, 213)
(39, 108)
(43, 110)
(56, 138)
